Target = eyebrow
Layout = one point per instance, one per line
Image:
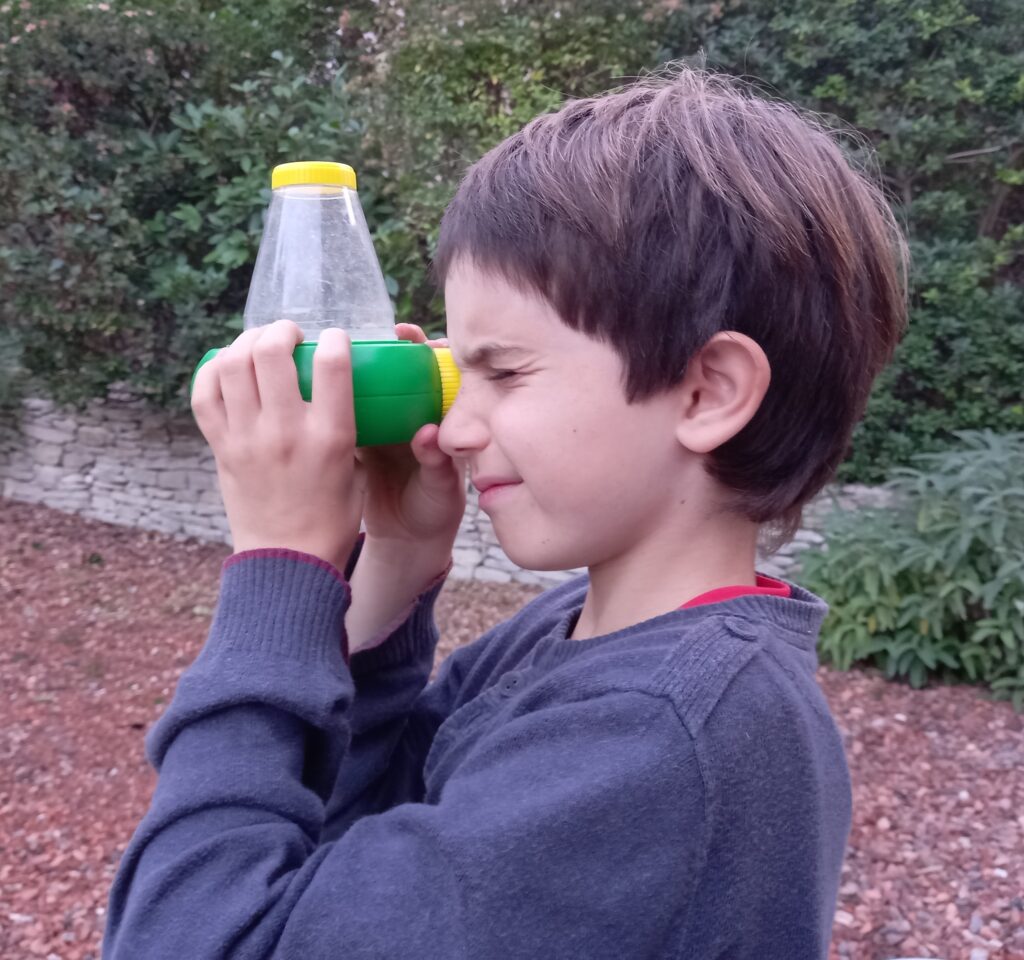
(485, 354)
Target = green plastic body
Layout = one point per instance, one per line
(396, 386)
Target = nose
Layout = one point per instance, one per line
(463, 430)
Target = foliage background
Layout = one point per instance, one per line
(138, 142)
(930, 586)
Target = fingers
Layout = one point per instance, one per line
(394, 463)
(208, 402)
(438, 471)
(425, 448)
(332, 401)
(256, 369)
(415, 334)
(410, 331)
(276, 377)
(238, 383)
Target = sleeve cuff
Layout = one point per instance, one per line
(412, 633)
(282, 602)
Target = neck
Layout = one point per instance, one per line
(666, 570)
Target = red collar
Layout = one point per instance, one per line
(765, 585)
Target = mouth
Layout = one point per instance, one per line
(483, 484)
(493, 490)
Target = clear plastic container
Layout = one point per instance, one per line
(316, 263)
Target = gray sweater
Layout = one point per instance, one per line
(676, 789)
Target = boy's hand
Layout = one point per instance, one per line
(415, 498)
(415, 493)
(287, 468)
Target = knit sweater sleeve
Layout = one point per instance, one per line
(392, 723)
(382, 764)
(569, 830)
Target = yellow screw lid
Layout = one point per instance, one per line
(313, 171)
(451, 379)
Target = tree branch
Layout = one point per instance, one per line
(990, 218)
(980, 152)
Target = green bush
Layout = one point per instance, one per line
(130, 222)
(214, 169)
(11, 371)
(138, 178)
(932, 586)
(936, 89)
(137, 144)
(960, 364)
(452, 84)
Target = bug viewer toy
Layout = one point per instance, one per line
(317, 267)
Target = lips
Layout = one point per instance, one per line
(492, 494)
(485, 483)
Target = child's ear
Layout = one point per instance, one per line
(725, 382)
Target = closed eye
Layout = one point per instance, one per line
(502, 374)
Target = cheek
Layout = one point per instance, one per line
(620, 443)
(522, 430)
(573, 450)
(581, 442)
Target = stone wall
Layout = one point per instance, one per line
(123, 462)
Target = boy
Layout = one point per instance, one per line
(668, 305)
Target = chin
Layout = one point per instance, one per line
(542, 556)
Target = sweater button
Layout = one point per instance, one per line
(509, 683)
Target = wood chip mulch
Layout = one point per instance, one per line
(98, 621)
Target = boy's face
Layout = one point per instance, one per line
(592, 477)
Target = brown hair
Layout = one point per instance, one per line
(656, 215)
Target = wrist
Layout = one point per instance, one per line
(328, 552)
(409, 566)
(386, 582)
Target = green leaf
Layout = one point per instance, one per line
(190, 217)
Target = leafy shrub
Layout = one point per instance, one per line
(451, 84)
(11, 371)
(936, 90)
(960, 364)
(131, 215)
(137, 144)
(932, 586)
(214, 172)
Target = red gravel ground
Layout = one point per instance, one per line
(98, 621)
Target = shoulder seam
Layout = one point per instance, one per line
(696, 673)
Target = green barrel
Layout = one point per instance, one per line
(398, 386)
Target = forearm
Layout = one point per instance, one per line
(387, 579)
(392, 652)
(247, 753)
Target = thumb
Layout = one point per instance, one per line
(437, 469)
